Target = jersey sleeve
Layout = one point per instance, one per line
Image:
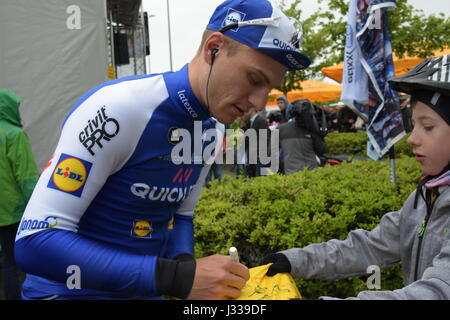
(97, 139)
(52, 253)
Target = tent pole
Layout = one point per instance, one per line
(392, 165)
(111, 30)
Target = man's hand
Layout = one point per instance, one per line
(280, 264)
(217, 277)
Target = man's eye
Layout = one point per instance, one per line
(428, 128)
(253, 80)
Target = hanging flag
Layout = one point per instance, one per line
(378, 105)
(355, 86)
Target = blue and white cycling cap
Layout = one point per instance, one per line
(260, 25)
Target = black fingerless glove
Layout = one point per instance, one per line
(175, 277)
(280, 264)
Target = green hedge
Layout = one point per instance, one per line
(273, 213)
(344, 142)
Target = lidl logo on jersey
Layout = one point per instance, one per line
(142, 229)
(70, 175)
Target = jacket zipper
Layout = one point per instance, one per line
(420, 234)
(429, 203)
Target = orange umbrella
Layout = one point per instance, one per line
(401, 66)
(315, 91)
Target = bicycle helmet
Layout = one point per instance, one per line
(432, 74)
(428, 82)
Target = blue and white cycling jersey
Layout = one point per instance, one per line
(111, 200)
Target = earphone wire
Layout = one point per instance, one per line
(213, 56)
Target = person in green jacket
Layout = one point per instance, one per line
(18, 176)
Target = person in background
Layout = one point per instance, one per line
(257, 123)
(286, 109)
(300, 142)
(215, 171)
(346, 120)
(18, 176)
(333, 117)
(274, 119)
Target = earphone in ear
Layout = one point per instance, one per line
(213, 55)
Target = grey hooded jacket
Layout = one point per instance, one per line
(301, 147)
(395, 239)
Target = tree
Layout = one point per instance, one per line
(315, 41)
(412, 33)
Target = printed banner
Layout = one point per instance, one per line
(372, 51)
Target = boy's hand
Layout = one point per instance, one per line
(280, 264)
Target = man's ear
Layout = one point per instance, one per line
(214, 43)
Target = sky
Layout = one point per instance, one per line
(188, 19)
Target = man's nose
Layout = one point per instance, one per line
(258, 99)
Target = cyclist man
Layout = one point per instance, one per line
(112, 214)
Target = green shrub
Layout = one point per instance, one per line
(345, 142)
(268, 214)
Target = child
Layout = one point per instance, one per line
(418, 234)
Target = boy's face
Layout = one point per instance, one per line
(430, 139)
